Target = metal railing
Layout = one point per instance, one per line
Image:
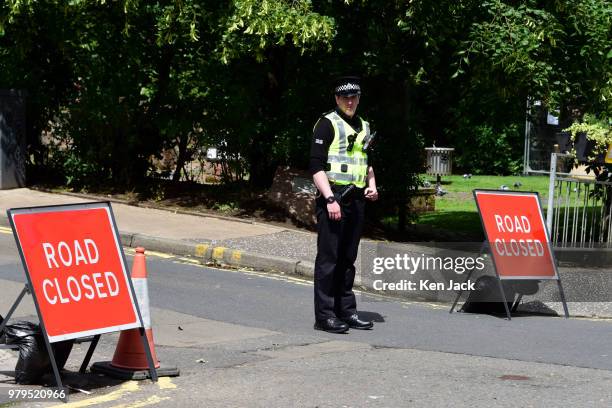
(579, 212)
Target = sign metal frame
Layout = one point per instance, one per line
(138, 324)
(487, 244)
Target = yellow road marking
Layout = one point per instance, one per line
(158, 254)
(5, 230)
(189, 261)
(200, 250)
(132, 251)
(126, 388)
(297, 281)
(165, 383)
(137, 404)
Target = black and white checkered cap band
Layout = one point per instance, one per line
(348, 88)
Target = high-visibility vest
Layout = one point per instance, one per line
(346, 167)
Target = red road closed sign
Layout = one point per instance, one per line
(516, 232)
(76, 269)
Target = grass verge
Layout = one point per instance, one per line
(456, 210)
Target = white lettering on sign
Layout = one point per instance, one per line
(49, 254)
(52, 300)
(73, 289)
(512, 224)
(64, 253)
(85, 282)
(522, 247)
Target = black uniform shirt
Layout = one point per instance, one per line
(322, 138)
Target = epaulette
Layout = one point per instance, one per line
(321, 117)
(327, 113)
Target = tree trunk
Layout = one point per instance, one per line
(262, 164)
(182, 157)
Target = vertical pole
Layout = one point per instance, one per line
(551, 193)
(527, 141)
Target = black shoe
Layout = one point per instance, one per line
(354, 322)
(332, 325)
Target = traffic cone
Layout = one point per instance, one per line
(130, 359)
(130, 353)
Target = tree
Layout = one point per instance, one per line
(117, 82)
(555, 51)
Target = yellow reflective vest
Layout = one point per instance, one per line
(344, 166)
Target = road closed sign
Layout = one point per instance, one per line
(76, 269)
(516, 232)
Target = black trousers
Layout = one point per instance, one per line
(337, 246)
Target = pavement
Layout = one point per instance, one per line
(269, 248)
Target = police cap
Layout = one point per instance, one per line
(347, 86)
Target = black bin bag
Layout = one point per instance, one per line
(34, 360)
(486, 298)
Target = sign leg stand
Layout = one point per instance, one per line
(563, 299)
(467, 278)
(483, 248)
(58, 380)
(90, 351)
(501, 290)
(145, 343)
(14, 307)
(516, 303)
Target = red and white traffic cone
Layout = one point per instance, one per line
(130, 359)
(130, 353)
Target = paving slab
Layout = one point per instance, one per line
(148, 221)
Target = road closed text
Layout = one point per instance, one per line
(516, 247)
(93, 284)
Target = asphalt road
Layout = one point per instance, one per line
(246, 339)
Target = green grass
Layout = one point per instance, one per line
(456, 211)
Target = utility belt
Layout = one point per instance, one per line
(346, 193)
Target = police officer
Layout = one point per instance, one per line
(341, 171)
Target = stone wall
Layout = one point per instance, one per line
(294, 191)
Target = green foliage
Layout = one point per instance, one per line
(257, 25)
(598, 131)
(120, 81)
(79, 173)
(559, 51)
(487, 150)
